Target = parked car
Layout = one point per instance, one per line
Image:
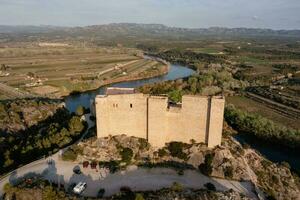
(77, 170)
(85, 164)
(93, 165)
(79, 188)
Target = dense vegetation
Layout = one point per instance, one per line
(43, 138)
(189, 57)
(17, 115)
(262, 128)
(207, 82)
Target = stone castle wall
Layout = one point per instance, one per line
(152, 118)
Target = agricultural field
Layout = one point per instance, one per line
(55, 71)
(253, 106)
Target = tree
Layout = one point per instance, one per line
(49, 193)
(139, 196)
(175, 95)
(80, 110)
(8, 161)
(75, 124)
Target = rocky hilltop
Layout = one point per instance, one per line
(229, 161)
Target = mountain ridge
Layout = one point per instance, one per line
(146, 30)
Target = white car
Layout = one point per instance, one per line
(79, 188)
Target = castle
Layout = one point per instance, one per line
(122, 111)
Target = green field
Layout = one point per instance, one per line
(252, 106)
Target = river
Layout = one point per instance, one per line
(85, 98)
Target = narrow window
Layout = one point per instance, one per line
(131, 105)
(113, 105)
(116, 105)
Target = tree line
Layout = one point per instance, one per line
(44, 138)
(262, 128)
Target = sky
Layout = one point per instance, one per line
(274, 14)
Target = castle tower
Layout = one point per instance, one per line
(153, 118)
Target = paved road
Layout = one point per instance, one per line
(140, 179)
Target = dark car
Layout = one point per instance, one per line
(77, 170)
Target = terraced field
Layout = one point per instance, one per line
(59, 71)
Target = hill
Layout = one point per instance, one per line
(132, 30)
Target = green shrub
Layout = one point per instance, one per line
(206, 167)
(177, 187)
(209, 186)
(139, 196)
(126, 154)
(112, 165)
(262, 128)
(80, 110)
(176, 150)
(69, 155)
(101, 193)
(162, 152)
(175, 95)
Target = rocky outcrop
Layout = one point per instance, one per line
(229, 161)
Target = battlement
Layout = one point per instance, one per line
(159, 121)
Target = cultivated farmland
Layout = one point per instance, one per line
(55, 71)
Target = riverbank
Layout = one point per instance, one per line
(134, 77)
(88, 86)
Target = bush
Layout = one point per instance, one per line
(175, 95)
(126, 193)
(210, 186)
(69, 155)
(162, 152)
(206, 167)
(101, 193)
(228, 172)
(176, 187)
(80, 111)
(112, 165)
(180, 172)
(143, 144)
(7, 187)
(139, 196)
(72, 153)
(176, 150)
(126, 154)
(285, 164)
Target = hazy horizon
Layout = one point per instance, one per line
(268, 14)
